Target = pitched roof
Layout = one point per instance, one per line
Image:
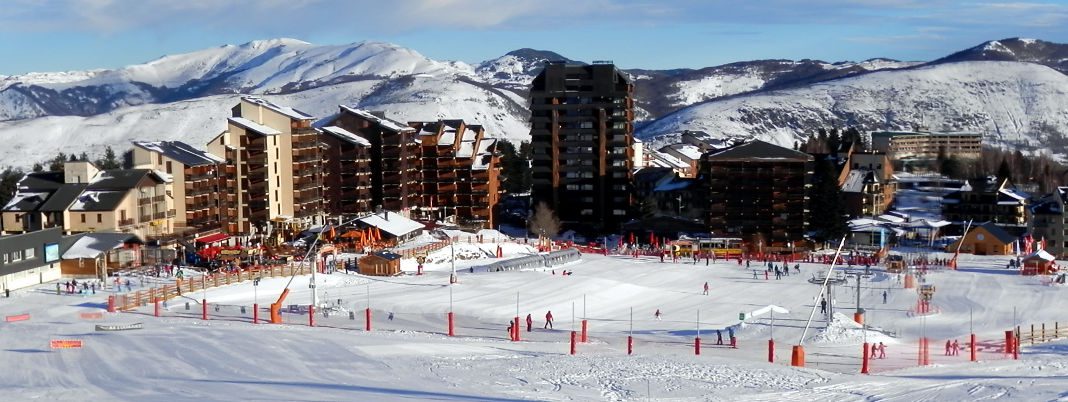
(285, 110)
(254, 126)
(91, 245)
(997, 232)
(179, 151)
(63, 198)
(41, 181)
(392, 223)
(119, 179)
(759, 150)
(346, 135)
(384, 122)
(25, 201)
(92, 200)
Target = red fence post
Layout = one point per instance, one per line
(515, 329)
(450, 323)
(573, 336)
(584, 337)
(111, 304)
(697, 346)
(255, 313)
(367, 317)
(1008, 342)
(311, 315)
(630, 345)
(771, 351)
(204, 309)
(972, 352)
(864, 363)
(156, 303)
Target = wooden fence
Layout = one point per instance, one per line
(1040, 333)
(133, 300)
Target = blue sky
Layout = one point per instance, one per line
(59, 35)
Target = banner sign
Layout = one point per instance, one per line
(66, 344)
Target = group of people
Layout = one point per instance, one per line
(952, 348)
(73, 286)
(878, 351)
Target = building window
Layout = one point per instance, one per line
(83, 218)
(586, 212)
(28, 253)
(99, 218)
(169, 167)
(159, 159)
(618, 212)
(16, 256)
(18, 218)
(5, 258)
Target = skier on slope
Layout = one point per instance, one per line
(706, 288)
(548, 320)
(657, 314)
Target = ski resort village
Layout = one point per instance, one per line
(533, 228)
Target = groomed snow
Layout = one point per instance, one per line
(181, 358)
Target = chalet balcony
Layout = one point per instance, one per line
(126, 222)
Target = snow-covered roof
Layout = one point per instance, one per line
(98, 200)
(285, 110)
(1041, 255)
(254, 126)
(467, 149)
(483, 156)
(164, 176)
(448, 137)
(691, 151)
(91, 245)
(27, 201)
(854, 182)
(385, 122)
(392, 222)
(179, 151)
(347, 135)
(891, 218)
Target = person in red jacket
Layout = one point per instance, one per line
(548, 320)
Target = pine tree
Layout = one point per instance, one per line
(84, 157)
(1004, 171)
(109, 161)
(9, 179)
(56, 164)
(37, 168)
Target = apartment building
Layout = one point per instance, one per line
(85, 199)
(582, 143)
(1048, 221)
(199, 183)
(460, 172)
(867, 182)
(925, 145)
(394, 152)
(759, 189)
(347, 172)
(275, 157)
(986, 199)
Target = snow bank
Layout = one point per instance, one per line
(844, 331)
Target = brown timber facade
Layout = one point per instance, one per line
(582, 132)
(759, 190)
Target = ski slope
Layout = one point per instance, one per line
(179, 357)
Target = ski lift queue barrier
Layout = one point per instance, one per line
(553, 259)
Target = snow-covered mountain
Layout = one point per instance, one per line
(187, 96)
(1017, 104)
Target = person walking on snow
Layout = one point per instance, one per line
(657, 314)
(956, 348)
(884, 297)
(719, 337)
(706, 288)
(949, 345)
(874, 350)
(823, 306)
(882, 350)
(548, 320)
(530, 322)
